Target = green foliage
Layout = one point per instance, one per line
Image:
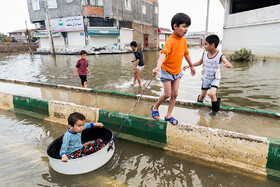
(5, 38)
(34, 39)
(242, 55)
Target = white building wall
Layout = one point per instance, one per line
(126, 36)
(58, 42)
(262, 40)
(257, 30)
(102, 41)
(257, 16)
(161, 40)
(44, 43)
(76, 39)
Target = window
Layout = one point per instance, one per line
(52, 4)
(241, 6)
(96, 2)
(127, 4)
(35, 5)
(69, 1)
(100, 2)
(144, 9)
(156, 10)
(84, 2)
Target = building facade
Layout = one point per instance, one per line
(253, 24)
(96, 23)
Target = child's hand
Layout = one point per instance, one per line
(156, 71)
(192, 71)
(64, 158)
(228, 65)
(89, 74)
(98, 125)
(134, 68)
(75, 75)
(186, 67)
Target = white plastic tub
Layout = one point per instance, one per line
(83, 164)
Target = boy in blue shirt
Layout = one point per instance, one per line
(72, 146)
(211, 60)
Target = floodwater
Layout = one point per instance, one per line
(252, 85)
(23, 144)
(24, 140)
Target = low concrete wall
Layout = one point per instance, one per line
(7, 47)
(145, 97)
(248, 153)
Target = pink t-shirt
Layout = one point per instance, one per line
(82, 67)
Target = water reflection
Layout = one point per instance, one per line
(251, 85)
(24, 162)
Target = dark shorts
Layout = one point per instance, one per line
(83, 79)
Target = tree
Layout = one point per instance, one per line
(5, 38)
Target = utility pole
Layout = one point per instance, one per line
(28, 37)
(142, 36)
(207, 15)
(49, 29)
(85, 20)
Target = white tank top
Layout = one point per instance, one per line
(211, 66)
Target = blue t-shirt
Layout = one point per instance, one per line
(72, 141)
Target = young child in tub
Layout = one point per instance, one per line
(72, 146)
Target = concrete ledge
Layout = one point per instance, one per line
(138, 126)
(59, 112)
(249, 153)
(228, 148)
(6, 101)
(186, 103)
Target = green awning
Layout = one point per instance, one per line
(44, 34)
(114, 32)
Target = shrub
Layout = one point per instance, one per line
(242, 55)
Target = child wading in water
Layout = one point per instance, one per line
(139, 65)
(72, 146)
(169, 65)
(82, 68)
(211, 60)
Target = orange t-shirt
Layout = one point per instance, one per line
(174, 49)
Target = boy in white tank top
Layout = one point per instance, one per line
(211, 60)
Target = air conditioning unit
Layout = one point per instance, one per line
(38, 25)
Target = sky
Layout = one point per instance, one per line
(14, 13)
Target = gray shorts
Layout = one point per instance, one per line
(165, 76)
(206, 85)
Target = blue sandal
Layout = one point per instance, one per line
(171, 120)
(154, 113)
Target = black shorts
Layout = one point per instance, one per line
(83, 79)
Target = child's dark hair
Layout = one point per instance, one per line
(213, 39)
(133, 43)
(83, 52)
(74, 117)
(179, 19)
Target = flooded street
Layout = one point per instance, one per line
(132, 164)
(24, 139)
(252, 85)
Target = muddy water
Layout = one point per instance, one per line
(251, 85)
(243, 123)
(24, 162)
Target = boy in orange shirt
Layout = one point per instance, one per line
(169, 65)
